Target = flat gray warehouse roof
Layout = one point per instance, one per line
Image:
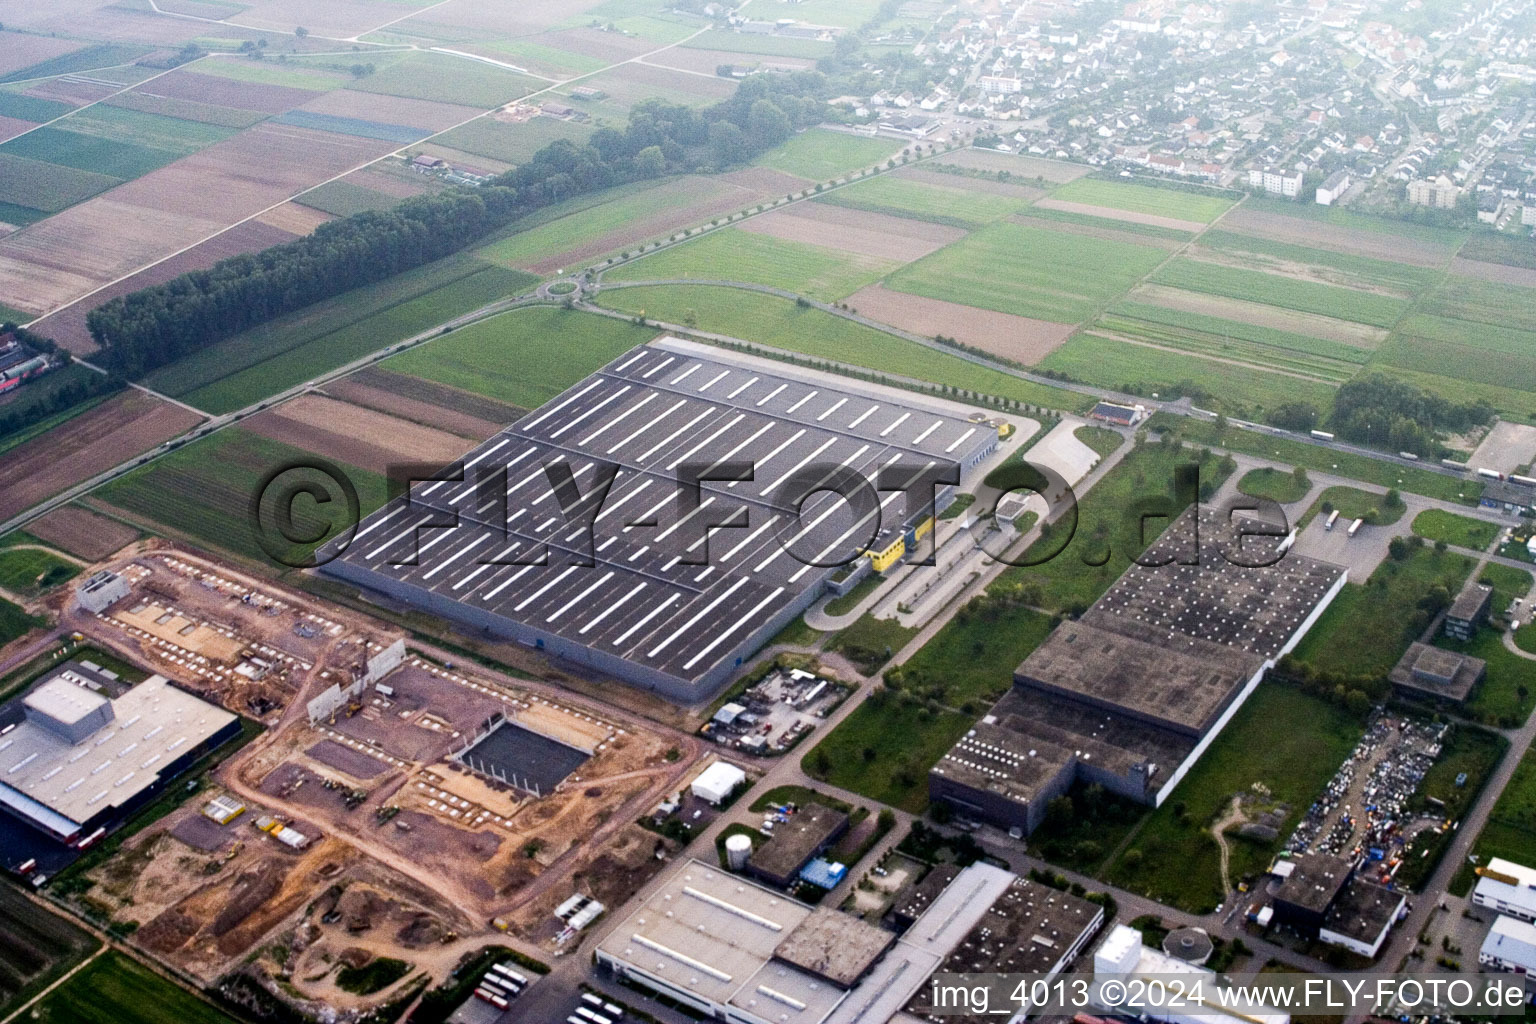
(662, 602)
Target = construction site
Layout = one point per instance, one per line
(397, 808)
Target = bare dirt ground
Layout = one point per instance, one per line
(361, 437)
(421, 114)
(68, 326)
(1498, 273)
(856, 231)
(72, 91)
(1129, 216)
(228, 92)
(91, 443)
(1243, 311)
(1507, 447)
(445, 395)
(765, 181)
(10, 127)
(988, 185)
(417, 411)
(1018, 166)
(22, 51)
(82, 533)
(294, 218)
(1018, 338)
(1299, 231)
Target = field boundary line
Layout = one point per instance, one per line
(86, 106)
(101, 949)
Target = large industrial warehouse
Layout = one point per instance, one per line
(78, 759)
(1131, 694)
(664, 603)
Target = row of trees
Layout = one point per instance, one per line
(155, 326)
(44, 398)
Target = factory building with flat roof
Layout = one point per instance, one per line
(738, 951)
(638, 583)
(77, 759)
(1130, 695)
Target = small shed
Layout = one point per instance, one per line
(717, 782)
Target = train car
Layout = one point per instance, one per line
(1322, 435)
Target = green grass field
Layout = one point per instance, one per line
(1501, 357)
(884, 748)
(187, 110)
(294, 74)
(513, 143)
(156, 131)
(294, 348)
(1287, 740)
(1108, 527)
(731, 254)
(1105, 223)
(956, 207)
(524, 357)
(1464, 532)
(1030, 271)
(1148, 199)
(1354, 503)
(343, 199)
(115, 988)
(1214, 335)
(1146, 370)
(1487, 302)
(15, 622)
(1495, 248)
(1421, 236)
(93, 153)
(811, 332)
(29, 571)
(1506, 695)
(99, 56)
(1511, 829)
(40, 947)
(1274, 484)
(1286, 292)
(1102, 440)
(1300, 453)
(821, 155)
(588, 222)
(204, 489)
(45, 187)
(1369, 625)
(446, 79)
(1508, 583)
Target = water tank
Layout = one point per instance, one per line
(737, 849)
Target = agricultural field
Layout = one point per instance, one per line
(629, 84)
(1172, 204)
(100, 55)
(116, 988)
(15, 622)
(1014, 338)
(36, 947)
(821, 155)
(83, 534)
(1342, 230)
(204, 490)
(1478, 353)
(1286, 292)
(1488, 247)
(953, 206)
(760, 46)
(524, 357)
(46, 188)
(294, 348)
(1369, 625)
(731, 254)
(1288, 740)
(1030, 271)
(855, 231)
(1106, 227)
(1112, 361)
(1332, 267)
(343, 199)
(118, 429)
(1158, 318)
(811, 332)
(513, 142)
(606, 224)
(1464, 532)
(432, 76)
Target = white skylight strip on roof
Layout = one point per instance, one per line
(632, 495)
(504, 584)
(646, 515)
(769, 396)
(659, 445)
(626, 364)
(466, 549)
(708, 440)
(399, 536)
(957, 442)
(748, 539)
(620, 418)
(642, 428)
(612, 608)
(546, 415)
(734, 627)
(731, 908)
(472, 485)
(828, 443)
(592, 411)
(806, 398)
(866, 414)
(682, 958)
(832, 409)
(688, 626)
(713, 381)
(551, 492)
(573, 602)
(664, 534)
(525, 602)
(695, 368)
(896, 423)
(920, 438)
(742, 387)
(722, 460)
(653, 371)
(632, 630)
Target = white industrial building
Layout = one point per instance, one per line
(1508, 888)
(1510, 946)
(78, 758)
(1122, 956)
(101, 591)
(717, 782)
